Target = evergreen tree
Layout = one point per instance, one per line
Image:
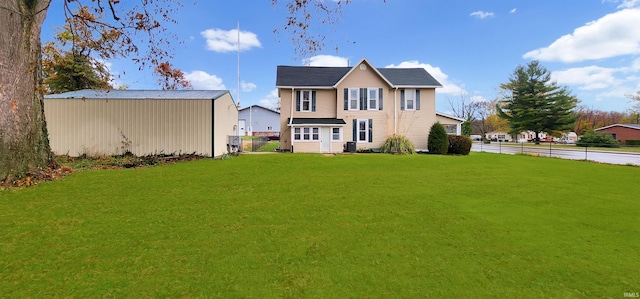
(438, 140)
(536, 103)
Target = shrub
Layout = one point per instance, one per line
(459, 145)
(593, 138)
(632, 142)
(398, 144)
(438, 142)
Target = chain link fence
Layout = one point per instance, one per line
(592, 152)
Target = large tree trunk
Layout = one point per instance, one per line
(24, 144)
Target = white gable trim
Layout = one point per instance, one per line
(450, 117)
(364, 60)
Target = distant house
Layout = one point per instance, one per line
(327, 109)
(622, 132)
(523, 136)
(258, 121)
(97, 122)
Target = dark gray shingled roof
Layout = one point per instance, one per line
(310, 76)
(139, 94)
(316, 121)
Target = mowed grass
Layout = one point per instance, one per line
(316, 226)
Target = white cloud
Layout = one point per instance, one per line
(601, 82)
(482, 14)
(271, 100)
(613, 35)
(513, 10)
(205, 81)
(436, 72)
(477, 98)
(247, 86)
(624, 3)
(326, 60)
(587, 78)
(223, 41)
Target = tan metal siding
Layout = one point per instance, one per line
(101, 127)
(226, 120)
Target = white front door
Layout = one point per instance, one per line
(325, 142)
(242, 127)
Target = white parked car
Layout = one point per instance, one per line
(566, 141)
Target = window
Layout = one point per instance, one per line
(306, 100)
(354, 99)
(296, 134)
(450, 129)
(373, 98)
(306, 134)
(269, 128)
(336, 134)
(362, 130)
(410, 99)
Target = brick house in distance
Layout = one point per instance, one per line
(622, 132)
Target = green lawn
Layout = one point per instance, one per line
(323, 226)
(270, 146)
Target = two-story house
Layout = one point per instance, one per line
(323, 108)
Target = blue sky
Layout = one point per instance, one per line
(591, 46)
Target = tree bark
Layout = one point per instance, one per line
(24, 143)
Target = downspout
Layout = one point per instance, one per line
(395, 111)
(291, 118)
(291, 110)
(213, 127)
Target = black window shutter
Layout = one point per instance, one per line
(346, 99)
(363, 99)
(380, 99)
(355, 130)
(298, 100)
(417, 99)
(402, 99)
(370, 130)
(313, 101)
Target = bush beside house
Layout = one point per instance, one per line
(459, 145)
(438, 141)
(398, 144)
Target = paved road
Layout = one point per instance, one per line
(571, 153)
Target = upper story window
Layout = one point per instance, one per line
(306, 100)
(372, 98)
(363, 98)
(354, 99)
(410, 99)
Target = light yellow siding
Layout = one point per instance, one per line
(142, 126)
(386, 122)
(413, 124)
(446, 120)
